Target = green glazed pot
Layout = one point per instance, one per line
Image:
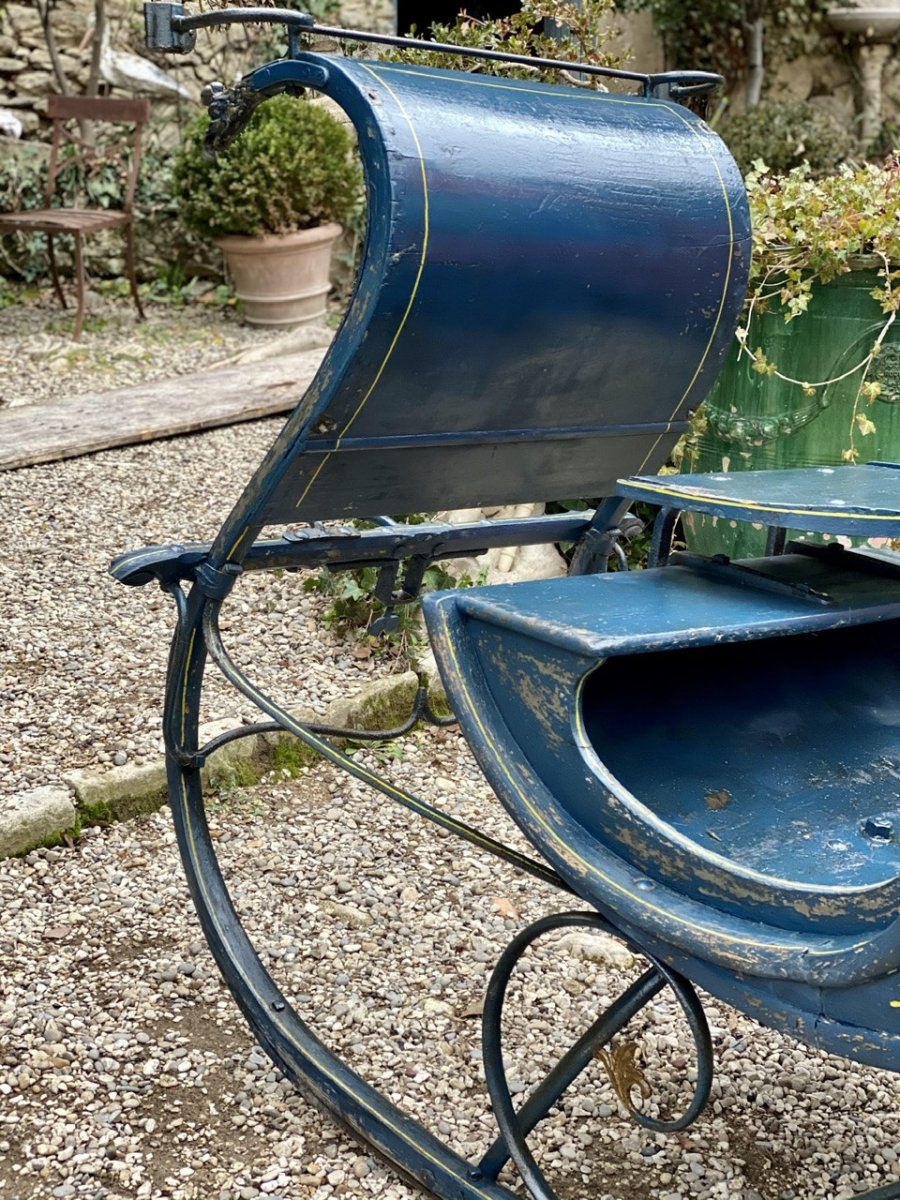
(757, 421)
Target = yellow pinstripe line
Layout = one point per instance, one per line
(718, 320)
(240, 538)
(751, 506)
(413, 294)
(567, 853)
(184, 686)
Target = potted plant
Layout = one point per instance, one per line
(814, 375)
(274, 201)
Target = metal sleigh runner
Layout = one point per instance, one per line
(550, 279)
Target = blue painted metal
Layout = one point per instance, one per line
(349, 547)
(168, 27)
(550, 278)
(714, 767)
(533, 304)
(848, 501)
(514, 1127)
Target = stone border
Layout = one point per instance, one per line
(48, 815)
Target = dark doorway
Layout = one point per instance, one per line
(424, 13)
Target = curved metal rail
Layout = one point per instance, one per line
(170, 28)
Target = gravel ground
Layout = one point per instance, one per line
(81, 657)
(125, 1070)
(38, 357)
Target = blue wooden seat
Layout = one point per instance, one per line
(708, 749)
(712, 763)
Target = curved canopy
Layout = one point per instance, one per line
(551, 276)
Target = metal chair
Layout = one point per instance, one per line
(81, 222)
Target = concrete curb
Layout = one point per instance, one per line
(45, 815)
(35, 818)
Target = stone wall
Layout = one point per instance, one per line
(26, 75)
(835, 83)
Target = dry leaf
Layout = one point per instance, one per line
(718, 798)
(474, 1008)
(505, 908)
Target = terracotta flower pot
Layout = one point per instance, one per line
(282, 279)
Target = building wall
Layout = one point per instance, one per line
(26, 74)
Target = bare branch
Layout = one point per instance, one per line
(45, 9)
(93, 84)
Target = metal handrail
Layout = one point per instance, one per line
(170, 29)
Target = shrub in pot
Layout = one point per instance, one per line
(785, 134)
(274, 201)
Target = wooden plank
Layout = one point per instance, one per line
(95, 421)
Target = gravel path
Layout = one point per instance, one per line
(38, 357)
(125, 1071)
(82, 659)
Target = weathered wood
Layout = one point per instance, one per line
(101, 420)
(99, 108)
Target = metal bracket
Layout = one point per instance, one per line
(160, 31)
(390, 595)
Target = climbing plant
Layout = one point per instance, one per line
(740, 39)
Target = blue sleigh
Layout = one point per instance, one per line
(705, 752)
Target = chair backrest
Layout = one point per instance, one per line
(62, 110)
(551, 277)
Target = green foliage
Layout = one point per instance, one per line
(354, 605)
(290, 756)
(292, 168)
(784, 134)
(714, 35)
(808, 230)
(542, 29)
(165, 243)
(383, 751)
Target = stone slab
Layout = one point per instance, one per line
(84, 424)
(118, 793)
(34, 817)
